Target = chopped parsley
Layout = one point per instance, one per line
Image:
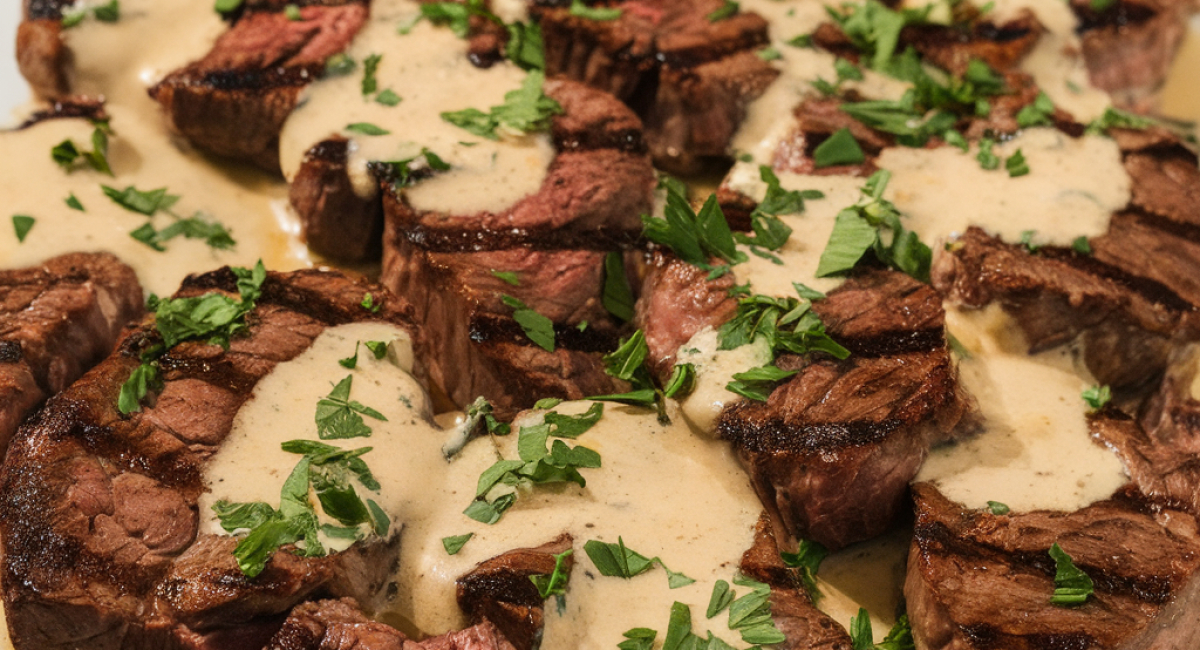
(406, 172)
(387, 97)
(787, 325)
(618, 296)
(292, 12)
(524, 110)
(1037, 113)
(366, 128)
(1072, 587)
(338, 416)
(750, 615)
(594, 13)
(874, 29)
(454, 543)
(135, 200)
(862, 637)
(806, 561)
(1081, 245)
(694, 237)
(339, 64)
(498, 485)
(227, 6)
(623, 562)
(757, 383)
(213, 317)
(525, 46)
(66, 153)
(769, 54)
(770, 232)
(508, 276)
(727, 10)
(838, 149)
(109, 12)
(370, 304)
(324, 470)
(22, 224)
(1016, 165)
(1114, 118)
(1097, 397)
(72, 202)
(369, 83)
(537, 327)
(682, 381)
(213, 233)
(997, 508)
(861, 228)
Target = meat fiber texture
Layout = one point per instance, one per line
(98, 511)
(555, 240)
(57, 320)
(978, 580)
(832, 450)
(690, 78)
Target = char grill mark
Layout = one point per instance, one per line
(59, 319)
(98, 511)
(977, 580)
(690, 79)
(1127, 323)
(1160, 449)
(498, 591)
(233, 102)
(555, 241)
(831, 451)
(328, 624)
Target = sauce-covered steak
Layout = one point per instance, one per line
(99, 511)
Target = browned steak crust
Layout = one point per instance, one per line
(98, 511)
(57, 320)
(340, 625)
(233, 102)
(978, 580)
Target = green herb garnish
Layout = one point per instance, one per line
(1016, 165)
(537, 327)
(524, 110)
(807, 560)
(730, 8)
(1097, 397)
(997, 508)
(22, 224)
(873, 225)
(618, 296)
(454, 543)
(66, 153)
(1072, 587)
(1038, 113)
(366, 128)
(338, 416)
(594, 13)
(838, 149)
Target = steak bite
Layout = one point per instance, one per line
(1129, 46)
(330, 624)
(978, 580)
(552, 243)
(832, 450)
(689, 77)
(42, 57)
(99, 510)
(233, 102)
(1126, 323)
(57, 321)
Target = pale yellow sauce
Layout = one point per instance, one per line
(428, 68)
(1035, 450)
(658, 489)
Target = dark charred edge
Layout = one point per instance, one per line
(1121, 15)
(774, 436)
(1182, 230)
(251, 79)
(10, 352)
(459, 240)
(736, 207)
(623, 140)
(45, 9)
(490, 328)
(753, 36)
(1151, 290)
(982, 635)
(1156, 590)
(894, 343)
(509, 587)
(75, 107)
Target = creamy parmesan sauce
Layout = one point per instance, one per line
(167, 34)
(1034, 450)
(659, 489)
(428, 68)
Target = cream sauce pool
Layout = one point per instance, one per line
(428, 68)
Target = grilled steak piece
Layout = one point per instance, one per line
(1129, 46)
(978, 580)
(688, 77)
(233, 102)
(555, 242)
(340, 625)
(56, 321)
(498, 591)
(677, 302)
(1156, 236)
(42, 57)
(832, 449)
(98, 511)
(805, 626)
(1161, 450)
(598, 184)
(1126, 322)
